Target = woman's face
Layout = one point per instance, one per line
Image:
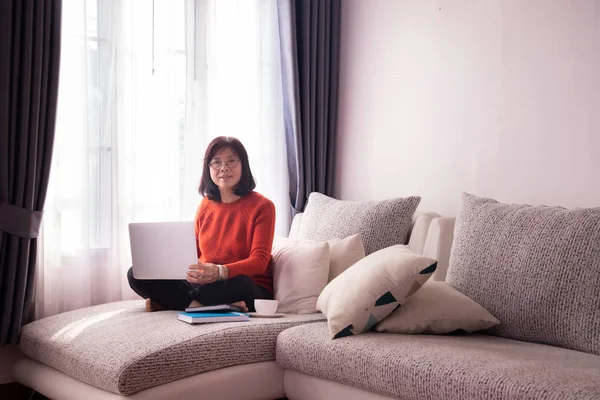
(225, 170)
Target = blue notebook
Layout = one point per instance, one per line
(205, 317)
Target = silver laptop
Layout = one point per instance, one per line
(162, 250)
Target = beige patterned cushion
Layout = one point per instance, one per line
(372, 288)
(417, 367)
(123, 349)
(437, 308)
(380, 223)
(536, 269)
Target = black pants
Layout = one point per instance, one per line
(178, 294)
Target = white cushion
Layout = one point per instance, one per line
(372, 288)
(343, 254)
(300, 272)
(437, 308)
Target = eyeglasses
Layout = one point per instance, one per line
(218, 164)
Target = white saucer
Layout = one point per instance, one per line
(256, 315)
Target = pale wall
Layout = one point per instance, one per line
(499, 98)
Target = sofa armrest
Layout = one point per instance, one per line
(295, 228)
(419, 229)
(438, 244)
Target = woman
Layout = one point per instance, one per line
(234, 235)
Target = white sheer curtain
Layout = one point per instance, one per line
(144, 86)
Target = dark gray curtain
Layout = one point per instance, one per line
(309, 31)
(29, 62)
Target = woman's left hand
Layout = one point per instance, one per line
(203, 273)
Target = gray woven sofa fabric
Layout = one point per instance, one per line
(381, 223)
(536, 269)
(121, 348)
(416, 367)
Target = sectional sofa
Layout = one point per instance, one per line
(537, 269)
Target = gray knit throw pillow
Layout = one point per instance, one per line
(536, 269)
(380, 223)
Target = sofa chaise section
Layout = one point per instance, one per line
(120, 348)
(415, 367)
(118, 351)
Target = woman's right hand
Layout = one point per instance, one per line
(202, 274)
(195, 273)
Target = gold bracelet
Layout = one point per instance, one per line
(221, 272)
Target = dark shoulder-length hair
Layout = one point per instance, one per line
(246, 184)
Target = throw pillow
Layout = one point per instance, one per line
(437, 308)
(536, 268)
(300, 272)
(380, 223)
(343, 254)
(372, 288)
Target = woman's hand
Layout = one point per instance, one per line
(203, 273)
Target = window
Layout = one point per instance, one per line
(123, 81)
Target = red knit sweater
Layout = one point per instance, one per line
(238, 235)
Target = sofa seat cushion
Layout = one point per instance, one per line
(420, 367)
(121, 348)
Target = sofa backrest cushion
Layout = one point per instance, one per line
(535, 268)
(420, 235)
(381, 223)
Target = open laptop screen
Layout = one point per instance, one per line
(162, 250)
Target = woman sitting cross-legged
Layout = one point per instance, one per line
(234, 235)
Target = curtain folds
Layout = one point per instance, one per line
(310, 44)
(29, 70)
